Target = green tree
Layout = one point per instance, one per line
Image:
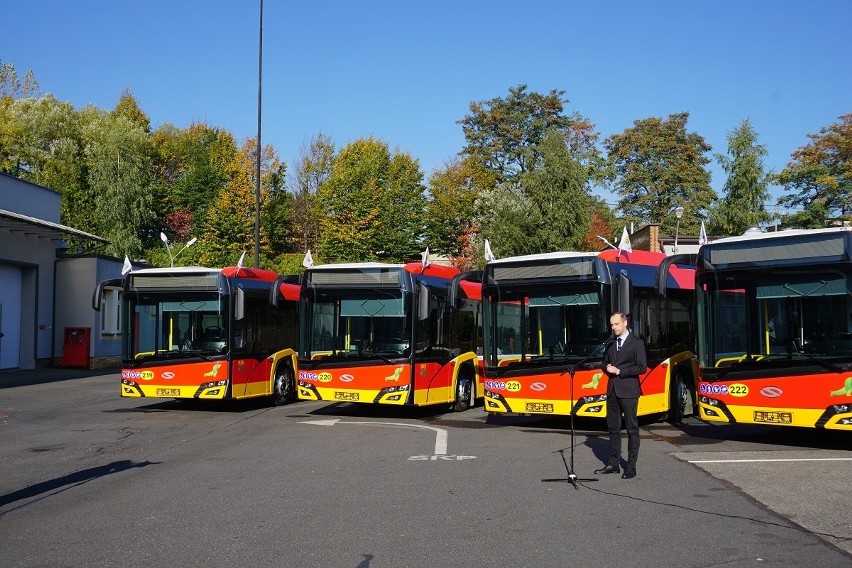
(43, 141)
(14, 86)
(191, 171)
(558, 189)
(129, 109)
(120, 170)
(313, 169)
(504, 134)
(508, 219)
(451, 206)
(228, 231)
(372, 205)
(278, 216)
(549, 208)
(658, 166)
(746, 189)
(819, 177)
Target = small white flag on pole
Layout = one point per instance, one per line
(424, 259)
(127, 266)
(702, 236)
(489, 256)
(308, 261)
(624, 245)
(240, 262)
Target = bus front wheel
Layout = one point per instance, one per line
(284, 387)
(680, 404)
(463, 394)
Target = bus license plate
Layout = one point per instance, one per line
(168, 392)
(771, 417)
(346, 395)
(540, 407)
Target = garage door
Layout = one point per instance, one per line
(10, 317)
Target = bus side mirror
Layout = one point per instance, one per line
(454, 296)
(624, 293)
(423, 302)
(239, 305)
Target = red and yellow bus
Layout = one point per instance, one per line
(395, 334)
(201, 333)
(774, 317)
(545, 324)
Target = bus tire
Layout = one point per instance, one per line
(681, 399)
(464, 388)
(283, 385)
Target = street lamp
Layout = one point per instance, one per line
(172, 258)
(678, 214)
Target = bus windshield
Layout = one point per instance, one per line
(174, 326)
(361, 322)
(529, 323)
(746, 316)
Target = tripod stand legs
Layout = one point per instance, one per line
(572, 477)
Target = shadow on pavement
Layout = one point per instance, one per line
(27, 377)
(70, 480)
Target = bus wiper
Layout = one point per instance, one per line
(378, 355)
(197, 353)
(837, 368)
(744, 363)
(143, 359)
(348, 355)
(170, 355)
(382, 357)
(532, 361)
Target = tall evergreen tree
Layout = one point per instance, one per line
(746, 188)
(548, 208)
(558, 189)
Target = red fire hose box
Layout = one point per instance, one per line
(75, 347)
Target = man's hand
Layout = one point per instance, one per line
(612, 370)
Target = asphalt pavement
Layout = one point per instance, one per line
(23, 377)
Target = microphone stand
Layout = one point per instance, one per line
(569, 466)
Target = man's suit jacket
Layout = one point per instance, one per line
(632, 361)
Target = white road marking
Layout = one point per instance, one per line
(440, 433)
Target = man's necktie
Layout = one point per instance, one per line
(618, 344)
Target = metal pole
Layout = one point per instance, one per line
(257, 173)
(678, 214)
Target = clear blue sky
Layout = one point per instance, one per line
(406, 72)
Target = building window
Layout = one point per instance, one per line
(111, 311)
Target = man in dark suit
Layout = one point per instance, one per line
(624, 361)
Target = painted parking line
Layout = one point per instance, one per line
(771, 460)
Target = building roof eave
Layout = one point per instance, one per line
(16, 222)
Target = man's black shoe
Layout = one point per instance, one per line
(628, 474)
(607, 469)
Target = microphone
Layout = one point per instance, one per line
(608, 341)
